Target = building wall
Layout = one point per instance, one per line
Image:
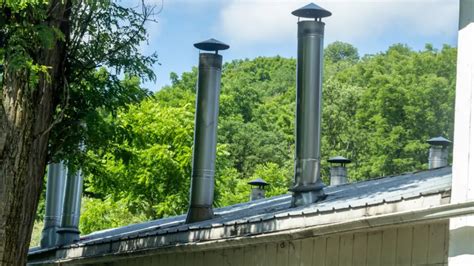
(422, 244)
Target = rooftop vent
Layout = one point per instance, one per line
(308, 186)
(438, 156)
(258, 189)
(338, 170)
(205, 131)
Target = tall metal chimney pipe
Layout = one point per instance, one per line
(57, 173)
(205, 131)
(438, 152)
(338, 170)
(308, 186)
(69, 231)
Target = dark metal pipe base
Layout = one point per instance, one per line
(304, 194)
(308, 186)
(308, 197)
(49, 237)
(196, 214)
(68, 235)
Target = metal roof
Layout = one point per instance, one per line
(373, 192)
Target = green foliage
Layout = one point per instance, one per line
(233, 189)
(36, 236)
(146, 163)
(279, 178)
(339, 56)
(21, 36)
(105, 71)
(97, 214)
(230, 188)
(103, 64)
(407, 98)
(340, 51)
(340, 134)
(256, 112)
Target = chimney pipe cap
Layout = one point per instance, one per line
(211, 45)
(339, 159)
(258, 182)
(439, 141)
(311, 11)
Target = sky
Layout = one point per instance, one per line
(255, 28)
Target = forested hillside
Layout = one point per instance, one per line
(378, 110)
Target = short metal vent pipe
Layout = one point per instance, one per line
(258, 189)
(205, 131)
(438, 156)
(308, 186)
(338, 170)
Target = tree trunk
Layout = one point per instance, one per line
(26, 114)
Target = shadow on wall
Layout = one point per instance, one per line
(464, 241)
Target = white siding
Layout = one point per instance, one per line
(389, 245)
(423, 244)
(346, 246)
(462, 232)
(374, 248)
(307, 252)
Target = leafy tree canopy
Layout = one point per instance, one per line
(65, 64)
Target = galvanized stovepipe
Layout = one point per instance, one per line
(438, 154)
(338, 170)
(69, 231)
(308, 186)
(55, 185)
(205, 131)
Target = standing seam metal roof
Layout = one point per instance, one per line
(343, 197)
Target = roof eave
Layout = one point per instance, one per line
(261, 231)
